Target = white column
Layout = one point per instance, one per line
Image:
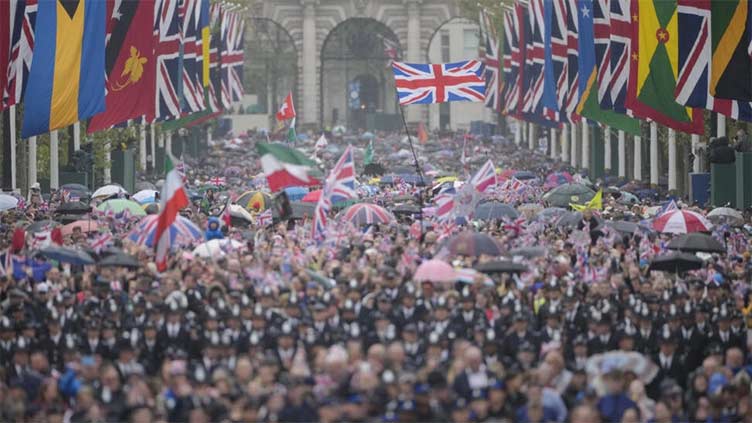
(208, 135)
(671, 160)
(54, 162)
(622, 155)
(106, 172)
(310, 92)
(32, 160)
(413, 113)
(585, 145)
(531, 137)
(153, 144)
(168, 143)
(518, 133)
(161, 139)
(696, 161)
(76, 136)
(12, 129)
(142, 147)
(721, 123)
(653, 153)
(637, 170)
(573, 146)
(607, 149)
(553, 143)
(565, 143)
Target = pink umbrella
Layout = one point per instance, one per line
(435, 271)
(312, 197)
(681, 222)
(85, 225)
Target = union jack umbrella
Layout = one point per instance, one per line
(681, 222)
(367, 214)
(182, 233)
(429, 83)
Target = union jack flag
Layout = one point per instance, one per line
(508, 88)
(535, 31)
(620, 21)
(265, 218)
(439, 83)
(484, 177)
(24, 16)
(490, 57)
(556, 80)
(167, 52)
(232, 58)
(215, 80)
(602, 36)
(572, 98)
(101, 242)
(694, 63)
(218, 181)
(391, 50)
(339, 186)
(193, 93)
(516, 34)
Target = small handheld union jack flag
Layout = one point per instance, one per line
(439, 83)
(217, 181)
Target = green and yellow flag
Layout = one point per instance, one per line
(655, 60)
(731, 68)
(595, 203)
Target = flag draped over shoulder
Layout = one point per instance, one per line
(731, 71)
(129, 63)
(589, 106)
(655, 66)
(66, 81)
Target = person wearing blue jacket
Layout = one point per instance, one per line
(213, 229)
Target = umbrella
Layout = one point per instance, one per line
(312, 197)
(494, 210)
(8, 202)
(87, 225)
(524, 175)
(472, 244)
(532, 208)
(572, 219)
(142, 185)
(301, 210)
(67, 255)
(681, 222)
(217, 248)
(120, 205)
(239, 216)
(627, 198)
(120, 260)
(407, 209)
(528, 252)
(183, 232)
(75, 187)
(558, 178)
(550, 214)
(41, 226)
(254, 201)
(145, 196)
(296, 193)
(501, 266)
(435, 271)
(726, 215)
(366, 214)
(73, 207)
(599, 365)
(563, 195)
(151, 208)
(109, 191)
(624, 227)
(675, 262)
(367, 136)
(694, 242)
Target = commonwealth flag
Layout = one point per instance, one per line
(731, 70)
(655, 60)
(589, 106)
(66, 82)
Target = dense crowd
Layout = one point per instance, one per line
(284, 329)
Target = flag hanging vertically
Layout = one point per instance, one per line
(173, 198)
(589, 106)
(535, 33)
(287, 109)
(620, 23)
(21, 50)
(167, 56)
(731, 70)
(506, 61)
(428, 83)
(192, 87)
(129, 64)
(515, 102)
(66, 82)
(602, 38)
(573, 92)
(232, 59)
(695, 52)
(490, 57)
(7, 21)
(655, 66)
(213, 92)
(204, 24)
(555, 62)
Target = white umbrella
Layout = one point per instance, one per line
(109, 191)
(8, 202)
(728, 215)
(625, 361)
(217, 248)
(145, 196)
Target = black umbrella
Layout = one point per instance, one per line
(624, 227)
(528, 252)
(405, 209)
(374, 169)
(675, 262)
(572, 219)
(120, 260)
(472, 244)
(494, 210)
(300, 210)
(73, 207)
(67, 255)
(41, 225)
(501, 266)
(696, 241)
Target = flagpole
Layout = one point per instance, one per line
(417, 169)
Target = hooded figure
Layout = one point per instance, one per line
(213, 229)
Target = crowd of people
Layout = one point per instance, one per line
(287, 329)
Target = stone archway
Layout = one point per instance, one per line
(356, 87)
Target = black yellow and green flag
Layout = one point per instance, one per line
(731, 66)
(655, 67)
